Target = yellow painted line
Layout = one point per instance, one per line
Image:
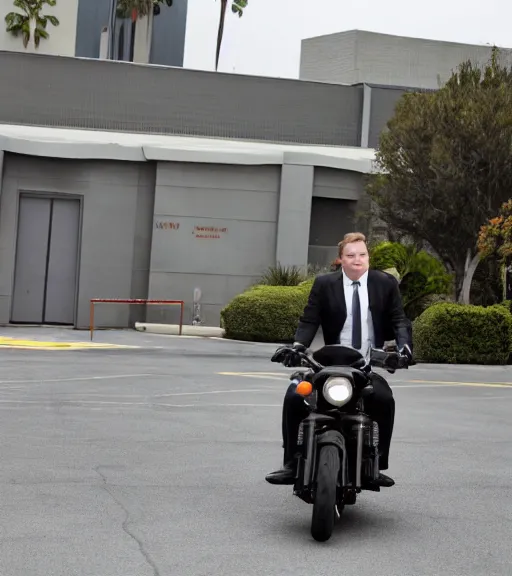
(6, 342)
(281, 376)
(476, 384)
(252, 375)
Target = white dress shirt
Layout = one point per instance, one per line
(367, 332)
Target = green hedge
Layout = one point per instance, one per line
(265, 313)
(458, 334)
(444, 333)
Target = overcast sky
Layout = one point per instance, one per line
(266, 41)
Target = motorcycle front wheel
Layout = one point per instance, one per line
(324, 512)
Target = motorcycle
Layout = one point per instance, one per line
(338, 444)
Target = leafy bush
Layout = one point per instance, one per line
(282, 276)
(265, 313)
(459, 334)
(421, 274)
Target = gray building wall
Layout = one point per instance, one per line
(215, 229)
(330, 58)
(161, 230)
(357, 56)
(168, 38)
(382, 108)
(337, 197)
(117, 221)
(106, 95)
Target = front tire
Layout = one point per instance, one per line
(324, 513)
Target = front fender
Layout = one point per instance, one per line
(335, 438)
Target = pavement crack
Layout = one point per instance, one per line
(126, 523)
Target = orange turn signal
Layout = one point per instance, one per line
(304, 388)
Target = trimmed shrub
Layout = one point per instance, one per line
(306, 285)
(419, 306)
(265, 313)
(459, 334)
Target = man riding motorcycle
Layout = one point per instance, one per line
(355, 307)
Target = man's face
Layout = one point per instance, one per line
(355, 260)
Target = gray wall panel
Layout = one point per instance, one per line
(294, 215)
(414, 62)
(105, 95)
(341, 184)
(236, 208)
(322, 255)
(330, 58)
(358, 56)
(383, 102)
(331, 219)
(117, 213)
(337, 196)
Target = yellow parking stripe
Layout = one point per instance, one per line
(6, 342)
(284, 376)
(476, 384)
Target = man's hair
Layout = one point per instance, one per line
(348, 239)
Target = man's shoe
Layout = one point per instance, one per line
(284, 476)
(385, 481)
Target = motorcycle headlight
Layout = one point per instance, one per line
(338, 391)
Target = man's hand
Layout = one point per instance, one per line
(406, 353)
(289, 356)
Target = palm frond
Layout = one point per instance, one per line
(239, 6)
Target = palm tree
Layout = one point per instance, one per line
(237, 7)
(31, 23)
(420, 274)
(136, 9)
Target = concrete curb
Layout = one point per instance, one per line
(174, 329)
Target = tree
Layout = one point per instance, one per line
(31, 23)
(495, 239)
(445, 164)
(496, 236)
(237, 7)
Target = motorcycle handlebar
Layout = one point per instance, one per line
(390, 361)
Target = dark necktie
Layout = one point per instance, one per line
(356, 318)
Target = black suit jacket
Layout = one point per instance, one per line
(326, 308)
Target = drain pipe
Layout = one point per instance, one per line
(111, 29)
(1, 171)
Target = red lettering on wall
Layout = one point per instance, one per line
(209, 232)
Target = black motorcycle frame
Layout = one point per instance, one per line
(348, 427)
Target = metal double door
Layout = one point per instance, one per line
(46, 268)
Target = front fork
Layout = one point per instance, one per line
(315, 432)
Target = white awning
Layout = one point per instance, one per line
(90, 144)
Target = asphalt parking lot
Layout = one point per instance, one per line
(150, 461)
